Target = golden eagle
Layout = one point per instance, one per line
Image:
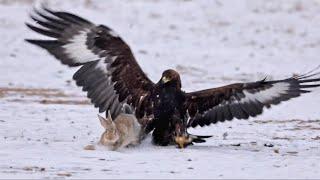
(111, 76)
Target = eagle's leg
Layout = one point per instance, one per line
(181, 138)
(162, 136)
(171, 134)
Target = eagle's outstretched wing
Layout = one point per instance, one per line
(109, 72)
(244, 100)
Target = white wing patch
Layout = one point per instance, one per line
(266, 95)
(78, 50)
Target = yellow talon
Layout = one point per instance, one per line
(182, 141)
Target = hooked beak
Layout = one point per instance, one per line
(165, 79)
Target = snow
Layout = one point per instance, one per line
(46, 120)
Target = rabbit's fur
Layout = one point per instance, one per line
(125, 130)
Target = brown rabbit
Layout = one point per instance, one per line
(123, 131)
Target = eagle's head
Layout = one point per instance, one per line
(171, 77)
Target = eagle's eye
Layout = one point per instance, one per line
(165, 79)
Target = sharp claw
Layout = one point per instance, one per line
(183, 141)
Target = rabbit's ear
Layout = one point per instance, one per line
(109, 116)
(127, 109)
(105, 123)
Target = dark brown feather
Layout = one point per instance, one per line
(228, 102)
(129, 82)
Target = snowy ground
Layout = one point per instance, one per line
(45, 120)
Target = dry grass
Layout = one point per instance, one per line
(49, 102)
(41, 96)
(4, 91)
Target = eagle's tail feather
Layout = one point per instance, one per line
(198, 139)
